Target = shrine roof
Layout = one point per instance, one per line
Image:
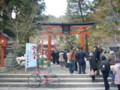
(5, 35)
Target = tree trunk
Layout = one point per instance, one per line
(79, 4)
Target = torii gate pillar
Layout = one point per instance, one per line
(81, 33)
(82, 41)
(49, 45)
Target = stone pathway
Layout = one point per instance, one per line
(56, 69)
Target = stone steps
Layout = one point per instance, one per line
(66, 81)
(62, 84)
(61, 79)
(40, 88)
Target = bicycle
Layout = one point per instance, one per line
(38, 79)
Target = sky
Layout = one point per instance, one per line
(55, 7)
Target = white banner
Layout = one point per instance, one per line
(31, 55)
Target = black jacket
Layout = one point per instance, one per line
(80, 55)
(97, 54)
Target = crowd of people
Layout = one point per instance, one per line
(75, 60)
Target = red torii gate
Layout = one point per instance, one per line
(50, 26)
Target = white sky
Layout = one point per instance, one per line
(56, 7)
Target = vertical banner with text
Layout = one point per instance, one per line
(31, 55)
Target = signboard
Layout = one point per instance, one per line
(66, 29)
(31, 55)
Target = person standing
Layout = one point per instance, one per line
(97, 58)
(57, 57)
(53, 56)
(116, 72)
(76, 62)
(71, 57)
(61, 60)
(93, 66)
(111, 60)
(80, 56)
(118, 53)
(105, 68)
(65, 58)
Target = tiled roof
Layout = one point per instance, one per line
(5, 35)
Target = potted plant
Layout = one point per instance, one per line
(48, 63)
(41, 61)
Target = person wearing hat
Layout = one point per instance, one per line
(116, 72)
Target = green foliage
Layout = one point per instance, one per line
(14, 2)
(69, 40)
(107, 13)
(77, 10)
(99, 26)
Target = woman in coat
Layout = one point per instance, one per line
(93, 65)
(61, 59)
(116, 72)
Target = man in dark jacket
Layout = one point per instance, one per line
(53, 56)
(57, 57)
(80, 56)
(97, 58)
(105, 68)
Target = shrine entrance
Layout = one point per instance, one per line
(3, 45)
(66, 29)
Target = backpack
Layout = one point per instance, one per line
(104, 68)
